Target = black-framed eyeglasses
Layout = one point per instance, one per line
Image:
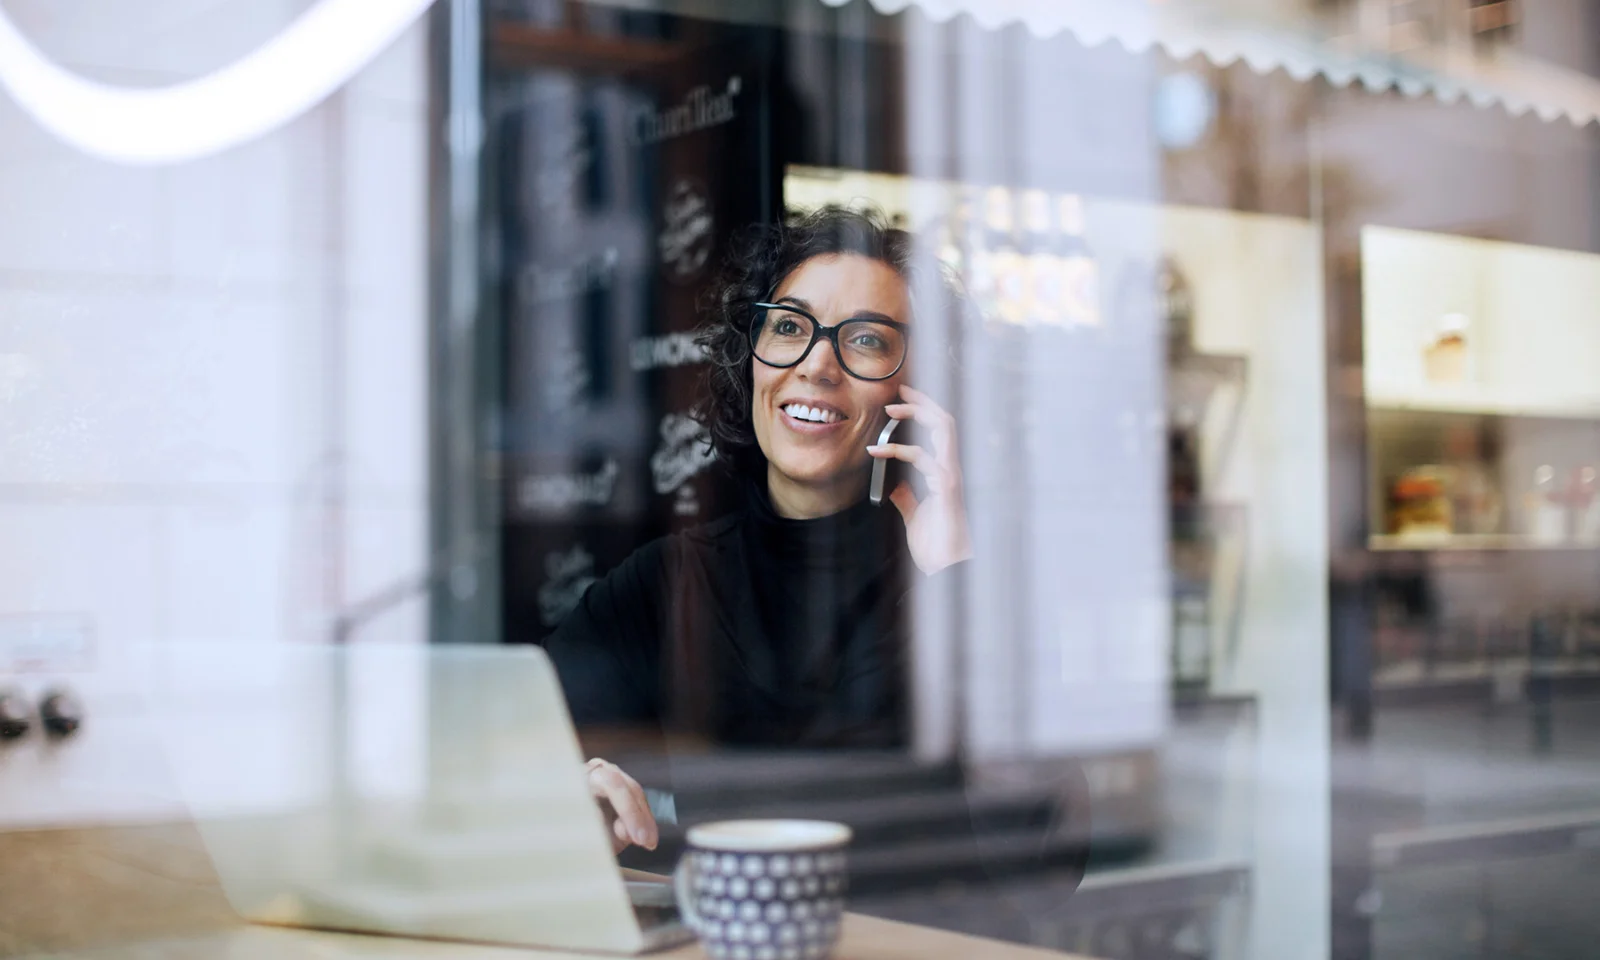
(782, 335)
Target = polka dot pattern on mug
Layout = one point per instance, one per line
(769, 906)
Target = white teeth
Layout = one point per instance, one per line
(815, 415)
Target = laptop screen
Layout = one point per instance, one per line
(405, 789)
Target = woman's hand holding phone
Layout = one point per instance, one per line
(936, 526)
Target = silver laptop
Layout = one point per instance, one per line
(418, 790)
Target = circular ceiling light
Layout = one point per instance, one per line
(278, 81)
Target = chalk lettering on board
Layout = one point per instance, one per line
(669, 350)
(568, 574)
(556, 493)
(701, 109)
(687, 230)
(684, 450)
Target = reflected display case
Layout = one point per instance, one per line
(1482, 391)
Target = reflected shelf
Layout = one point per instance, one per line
(1473, 541)
(1480, 402)
(1413, 673)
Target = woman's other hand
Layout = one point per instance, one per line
(936, 526)
(626, 807)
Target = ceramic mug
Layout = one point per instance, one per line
(764, 889)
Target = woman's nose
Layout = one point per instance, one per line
(821, 365)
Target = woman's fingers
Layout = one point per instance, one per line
(932, 469)
(922, 408)
(940, 432)
(927, 414)
(914, 455)
(634, 821)
(904, 500)
(922, 400)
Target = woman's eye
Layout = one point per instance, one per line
(786, 328)
(869, 341)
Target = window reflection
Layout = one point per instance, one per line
(1226, 375)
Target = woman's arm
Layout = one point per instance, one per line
(607, 652)
(607, 656)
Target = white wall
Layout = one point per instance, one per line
(212, 379)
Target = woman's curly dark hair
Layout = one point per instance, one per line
(759, 261)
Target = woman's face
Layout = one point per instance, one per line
(816, 468)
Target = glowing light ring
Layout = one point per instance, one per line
(278, 81)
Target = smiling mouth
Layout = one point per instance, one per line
(800, 411)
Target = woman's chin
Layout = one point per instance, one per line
(817, 476)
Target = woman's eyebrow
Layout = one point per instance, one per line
(858, 315)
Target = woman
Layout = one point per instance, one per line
(783, 622)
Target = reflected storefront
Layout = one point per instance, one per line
(1462, 579)
(1156, 412)
(1265, 331)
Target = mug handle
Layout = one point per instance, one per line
(683, 886)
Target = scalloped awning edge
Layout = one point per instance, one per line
(1506, 79)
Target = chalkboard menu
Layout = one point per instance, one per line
(618, 190)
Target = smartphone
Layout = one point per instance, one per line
(880, 465)
(887, 474)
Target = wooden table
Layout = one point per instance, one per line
(148, 893)
(864, 938)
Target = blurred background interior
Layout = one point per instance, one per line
(1281, 431)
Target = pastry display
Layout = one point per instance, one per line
(1419, 505)
(1446, 358)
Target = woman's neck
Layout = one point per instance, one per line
(807, 501)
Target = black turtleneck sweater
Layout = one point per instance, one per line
(753, 628)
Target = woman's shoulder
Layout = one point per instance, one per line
(700, 543)
(715, 530)
(712, 535)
